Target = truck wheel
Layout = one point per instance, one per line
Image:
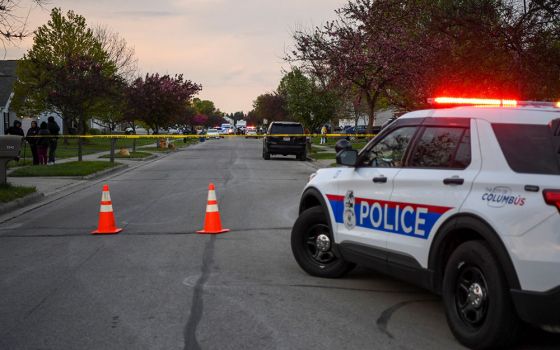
(266, 155)
(302, 156)
(476, 296)
(312, 246)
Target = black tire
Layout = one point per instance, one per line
(477, 301)
(302, 156)
(309, 227)
(266, 155)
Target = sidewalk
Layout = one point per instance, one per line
(50, 185)
(323, 163)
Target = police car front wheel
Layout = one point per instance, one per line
(478, 306)
(312, 246)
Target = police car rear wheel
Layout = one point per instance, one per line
(312, 246)
(476, 297)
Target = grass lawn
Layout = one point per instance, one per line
(90, 146)
(331, 141)
(180, 144)
(64, 169)
(133, 155)
(9, 192)
(156, 149)
(323, 155)
(20, 162)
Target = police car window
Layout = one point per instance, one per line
(442, 147)
(389, 152)
(531, 149)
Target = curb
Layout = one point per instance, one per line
(21, 202)
(104, 172)
(150, 157)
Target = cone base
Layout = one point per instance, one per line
(213, 232)
(112, 232)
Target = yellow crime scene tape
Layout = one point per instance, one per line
(175, 136)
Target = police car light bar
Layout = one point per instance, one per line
(472, 101)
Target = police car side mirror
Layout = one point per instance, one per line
(347, 157)
(342, 145)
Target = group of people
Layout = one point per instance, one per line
(42, 139)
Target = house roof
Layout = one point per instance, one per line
(7, 80)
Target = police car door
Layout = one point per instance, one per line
(366, 189)
(436, 180)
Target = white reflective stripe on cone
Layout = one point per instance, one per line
(211, 208)
(105, 196)
(106, 208)
(211, 195)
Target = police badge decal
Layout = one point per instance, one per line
(349, 214)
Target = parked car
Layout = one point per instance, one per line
(283, 138)
(212, 134)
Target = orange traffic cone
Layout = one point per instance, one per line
(106, 217)
(212, 222)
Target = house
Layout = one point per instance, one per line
(381, 116)
(7, 80)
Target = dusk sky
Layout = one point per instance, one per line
(234, 48)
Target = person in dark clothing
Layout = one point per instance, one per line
(31, 132)
(54, 130)
(16, 129)
(43, 143)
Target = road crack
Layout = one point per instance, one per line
(383, 320)
(197, 304)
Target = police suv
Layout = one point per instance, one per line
(463, 201)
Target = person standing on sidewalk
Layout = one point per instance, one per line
(16, 129)
(54, 130)
(32, 140)
(43, 143)
(323, 135)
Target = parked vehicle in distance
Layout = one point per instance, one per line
(212, 134)
(283, 138)
(360, 131)
(251, 131)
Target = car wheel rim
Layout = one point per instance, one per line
(318, 244)
(471, 296)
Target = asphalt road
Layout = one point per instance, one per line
(158, 285)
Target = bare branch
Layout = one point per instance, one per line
(122, 55)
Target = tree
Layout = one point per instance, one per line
(306, 101)
(159, 100)
(63, 42)
(269, 106)
(122, 57)
(118, 52)
(496, 49)
(375, 47)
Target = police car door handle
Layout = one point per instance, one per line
(380, 179)
(453, 181)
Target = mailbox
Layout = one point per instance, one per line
(10, 146)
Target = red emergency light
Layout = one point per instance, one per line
(473, 101)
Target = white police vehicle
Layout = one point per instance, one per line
(463, 201)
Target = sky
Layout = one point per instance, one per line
(234, 48)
